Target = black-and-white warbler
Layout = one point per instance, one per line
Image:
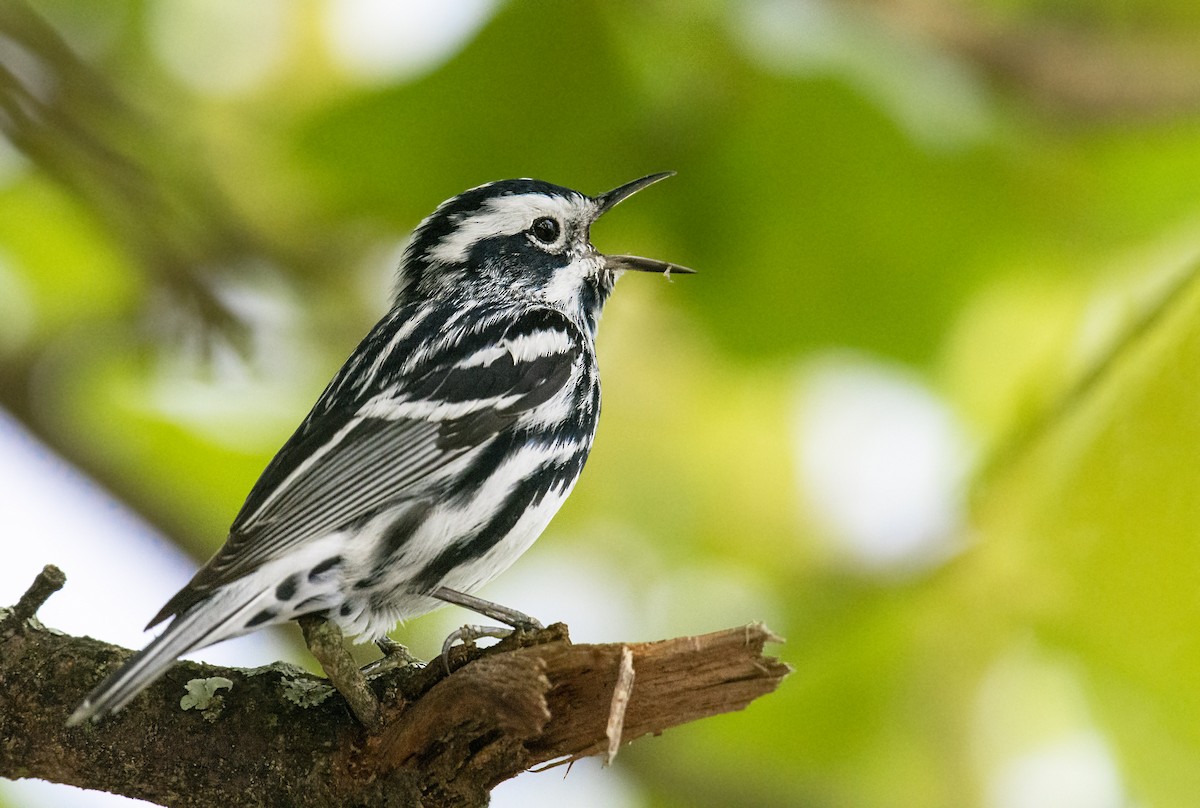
(439, 451)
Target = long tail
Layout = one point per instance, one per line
(218, 617)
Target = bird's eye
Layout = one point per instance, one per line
(545, 230)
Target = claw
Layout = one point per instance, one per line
(391, 648)
(510, 617)
(469, 634)
(395, 655)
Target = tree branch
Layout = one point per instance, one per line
(207, 735)
(1085, 71)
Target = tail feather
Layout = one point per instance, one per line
(203, 624)
(307, 580)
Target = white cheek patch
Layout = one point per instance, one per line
(504, 216)
(564, 287)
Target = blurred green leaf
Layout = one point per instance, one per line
(1102, 513)
(73, 271)
(516, 103)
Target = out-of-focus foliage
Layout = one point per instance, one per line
(991, 204)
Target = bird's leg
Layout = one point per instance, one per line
(324, 640)
(502, 614)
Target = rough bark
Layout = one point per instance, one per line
(280, 736)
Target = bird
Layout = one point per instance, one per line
(439, 451)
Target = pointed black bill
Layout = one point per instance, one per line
(621, 263)
(606, 201)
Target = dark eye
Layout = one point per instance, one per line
(545, 230)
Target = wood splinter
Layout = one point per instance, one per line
(620, 700)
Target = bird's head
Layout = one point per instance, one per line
(515, 239)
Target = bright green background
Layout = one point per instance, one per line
(1002, 196)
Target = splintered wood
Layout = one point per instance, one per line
(678, 681)
(620, 700)
(560, 702)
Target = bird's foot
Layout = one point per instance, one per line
(395, 656)
(470, 633)
(518, 621)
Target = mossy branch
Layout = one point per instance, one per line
(280, 736)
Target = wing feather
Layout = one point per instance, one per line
(381, 444)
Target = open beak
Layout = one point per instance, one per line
(619, 263)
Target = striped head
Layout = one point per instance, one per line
(519, 239)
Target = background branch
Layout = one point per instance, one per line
(279, 735)
(1078, 72)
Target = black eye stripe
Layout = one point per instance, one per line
(545, 230)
